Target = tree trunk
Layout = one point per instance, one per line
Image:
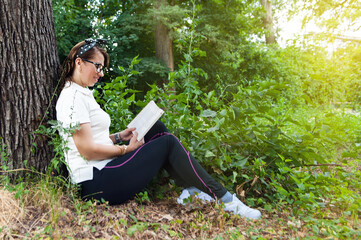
(163, 46)
(268, 22)
(28, 73)
(163, 41)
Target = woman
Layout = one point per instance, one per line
(106, 170)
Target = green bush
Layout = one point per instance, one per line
(256, 141)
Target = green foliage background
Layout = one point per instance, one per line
(276, 125)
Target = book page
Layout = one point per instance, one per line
(146, 119)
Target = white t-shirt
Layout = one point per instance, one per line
(76, 105)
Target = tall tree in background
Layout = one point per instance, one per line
(268, 22)
(28, 70)
(162, 39)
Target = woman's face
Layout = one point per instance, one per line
(88, 71)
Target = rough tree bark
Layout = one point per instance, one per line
(268, 22)
(163, 41)
(28, 73)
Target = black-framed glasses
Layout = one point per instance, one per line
(99, 67)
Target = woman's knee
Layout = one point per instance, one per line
(166, 140)
(160, 127)
(156, 131)
(173, 141)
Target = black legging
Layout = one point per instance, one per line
(125, 176)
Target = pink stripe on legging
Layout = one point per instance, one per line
(189, 158)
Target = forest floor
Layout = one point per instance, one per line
(39, 218)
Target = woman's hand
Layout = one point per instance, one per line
(134, 143)
(126, 134)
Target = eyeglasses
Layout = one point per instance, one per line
(99, 67)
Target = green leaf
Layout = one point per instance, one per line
(209, 154)
(235, 174)
(213, 129)
(138, 227)
(209, 113)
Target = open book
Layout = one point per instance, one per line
(146, 119)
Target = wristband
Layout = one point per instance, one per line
(117, 138)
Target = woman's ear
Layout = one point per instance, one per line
(78, 63)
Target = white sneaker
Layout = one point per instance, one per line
(186, 194)
(204, 196)
(238, 207)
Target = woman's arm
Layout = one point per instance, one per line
(83, 139)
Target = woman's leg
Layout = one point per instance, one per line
(160, 129)
(125, 176)
(187, 172)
